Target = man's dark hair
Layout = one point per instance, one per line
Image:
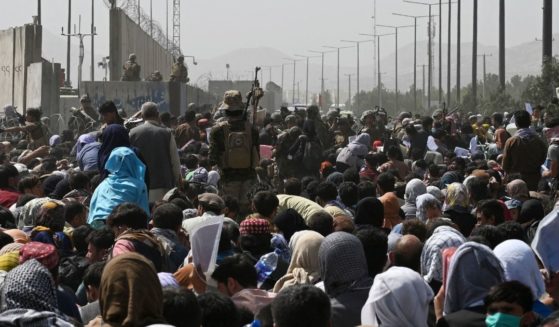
(366, 189)
(349, 193)
(351, 175)
(522, 119)
(511, 292)
(491, 234)
(301, 306)
(5, 239)
(181, 308)
(477, 188)
(189, 116)
(6, 172)
(78, 180)
(492, 208)
(498, 118)
(165, 118)
(72, 209)
(218, 310)
(92, 275)
(386, 181)
(34, 112)
(128, 214)
(327, 191)
(107, 106)
(375, 244)
(167, 216)
(265, 202)
(512, 230)
(321, 222)
(415, 227)
(80, 238)
(27, 183)
(393, 152)
(7, 220)
(293, 186)
(231, 203)
(191, 161)
(102, 238)
(426, 122)
(182, 202)
(237, 267)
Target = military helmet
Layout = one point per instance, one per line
(232, 101)
(180, 58)
(132, 56)
(291, 119)
(85, 98)
(276, 118)
(366, 114)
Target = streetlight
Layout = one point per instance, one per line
(484, 55)
(307, 78)
(378, 64)
(357, 45)
(396, 59)
(294, 67)
(338, 74)
(193, 59)
(414, 55)
(349, 89)
(321, 75)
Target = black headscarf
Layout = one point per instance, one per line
(309, 129)
(369, 211)
(113, 136)
(289, 222)
(531, 210)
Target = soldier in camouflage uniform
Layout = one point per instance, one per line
(179, 73)
(131, 69)
(236, 165)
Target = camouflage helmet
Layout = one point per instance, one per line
(132, 56)
(232, 101)
(291, 119)
(180, 58)
(276, 118)
(366, 114)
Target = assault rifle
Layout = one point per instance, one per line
(253, 97)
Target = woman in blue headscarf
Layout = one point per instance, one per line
(125, 183)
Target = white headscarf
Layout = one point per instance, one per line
(399, 297)
(545, 243)
(423, 202)
(519, 263)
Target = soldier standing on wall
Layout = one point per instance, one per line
(179, 72)
(132, 70)
(234, 147)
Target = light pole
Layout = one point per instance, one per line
(378, 64)
(82, 51)
(349, 90)
(227, 67)
(338, 74)
(414, 55)
(396, 58)
(484, 55)
(193, 59)
(307, 77)
(357, 43)
(321, 75)
(294, 61)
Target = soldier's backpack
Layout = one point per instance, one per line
(238, 148)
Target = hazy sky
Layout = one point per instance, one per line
(213, 27)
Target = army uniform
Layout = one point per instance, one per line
(235, 182)
(132, 70)
(179, 73)
(155, 77)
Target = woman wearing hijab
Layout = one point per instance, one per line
(369, 211)
(520, 264)
(414, 188)
(344, 272)
(472, 271)
(289, 222)
(428, 207)
(353, 155)
(304, 267)
(29, 297)
(390, 303)
(125, 183)
(130, 293)
(456, 207)
(87, 152)
(114, 136)
(431, 260)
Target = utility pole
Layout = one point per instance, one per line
(414, 57)
(80, 36)
(307, 77)
(321, 75)
(357, 43)
(440, 52)
(39, 12)
(449, 46)
(338, 73)
(423, 84)
(502, 44)
(151, 18)
(458, 16)
(474, 58)
(282, 69)
(379, 83)
(92, 40)
(396, 60)
(167, 24)
(68, 49)
(349, 94)
(484, 72)
(547, 34)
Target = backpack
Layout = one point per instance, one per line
(312, 155)
(238, 148)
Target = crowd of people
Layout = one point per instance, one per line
(307, 218)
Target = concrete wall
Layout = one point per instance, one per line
(127, 37)
(42, 87)
(19, 47)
